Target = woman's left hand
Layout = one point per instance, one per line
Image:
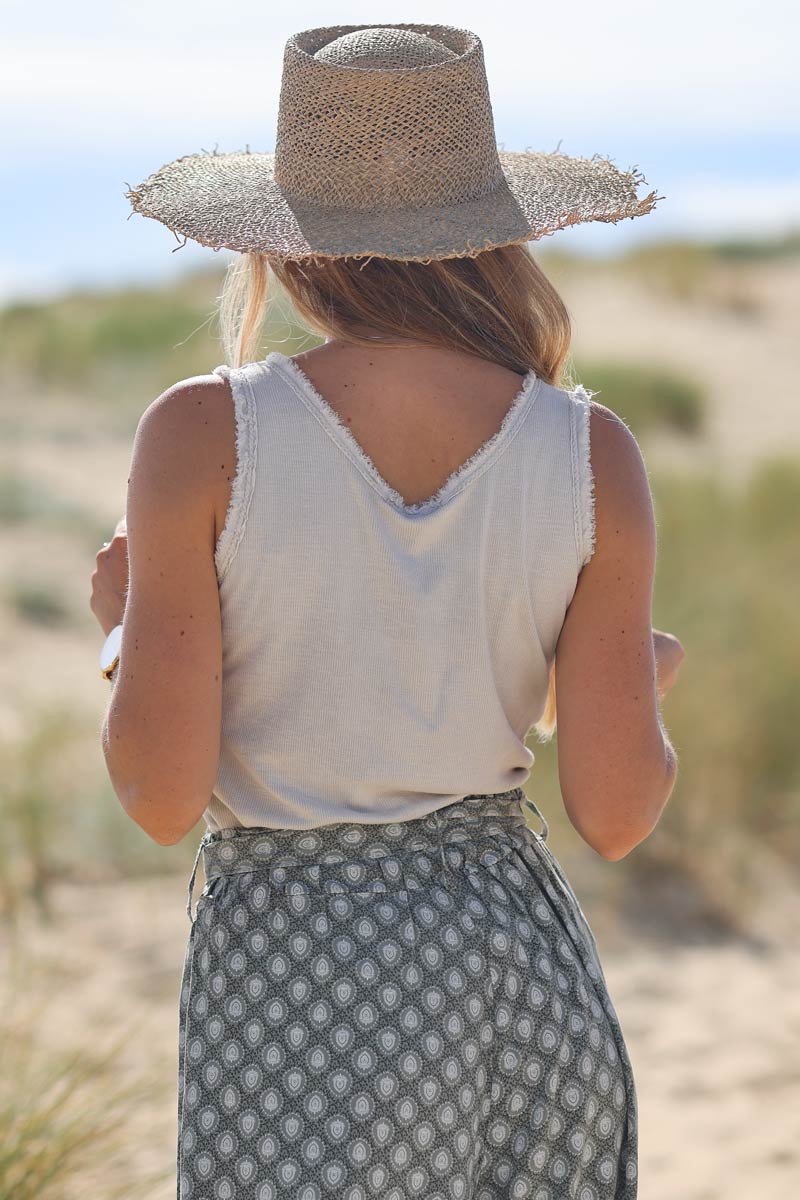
(110, 580)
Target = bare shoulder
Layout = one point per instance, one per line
(190, 403)
(189, 432)
(622, 489)
(198, 409)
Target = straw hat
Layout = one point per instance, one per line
(385, 147)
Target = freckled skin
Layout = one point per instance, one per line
(427, 397)
(614, 766)
(161, 732)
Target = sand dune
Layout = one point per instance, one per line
(747, 363)
(712, 1021)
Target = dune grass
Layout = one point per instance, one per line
(64, 1114)
(61, 817)
(728, 578)
(696, 273)
(727, 583)
(114, 347)
(38, 601)
(120, 349)
(648, 399)
(26, 500)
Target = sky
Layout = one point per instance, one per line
(703, 96)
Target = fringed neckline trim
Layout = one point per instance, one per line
(455, 482)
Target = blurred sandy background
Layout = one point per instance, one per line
(687, 327)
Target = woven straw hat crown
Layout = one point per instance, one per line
(386, 116)
(385, 146)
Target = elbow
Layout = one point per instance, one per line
(615, 845)
(164, 813)
(614, 851)
(166, 822)
(623, 823)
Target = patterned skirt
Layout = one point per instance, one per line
(412, 1010)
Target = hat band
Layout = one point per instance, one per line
(394, 180)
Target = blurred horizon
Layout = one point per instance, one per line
(686, 100)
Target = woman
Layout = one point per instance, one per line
(356, 577)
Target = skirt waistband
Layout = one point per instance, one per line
(358, 856)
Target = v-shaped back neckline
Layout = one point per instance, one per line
(458, 479)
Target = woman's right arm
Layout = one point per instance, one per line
(616, 764)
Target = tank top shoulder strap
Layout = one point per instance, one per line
(582, 474)
(246, 383)
(560, 480)
(242, 381)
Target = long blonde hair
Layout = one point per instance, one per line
(498, 305)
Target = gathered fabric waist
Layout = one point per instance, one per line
(351, 856)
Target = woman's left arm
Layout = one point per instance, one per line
(161, 733)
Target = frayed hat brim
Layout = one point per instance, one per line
(232, 201)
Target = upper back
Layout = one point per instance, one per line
(418, 413)
(388, 633)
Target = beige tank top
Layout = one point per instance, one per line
(383, 659)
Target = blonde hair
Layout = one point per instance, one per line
(498, 305)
